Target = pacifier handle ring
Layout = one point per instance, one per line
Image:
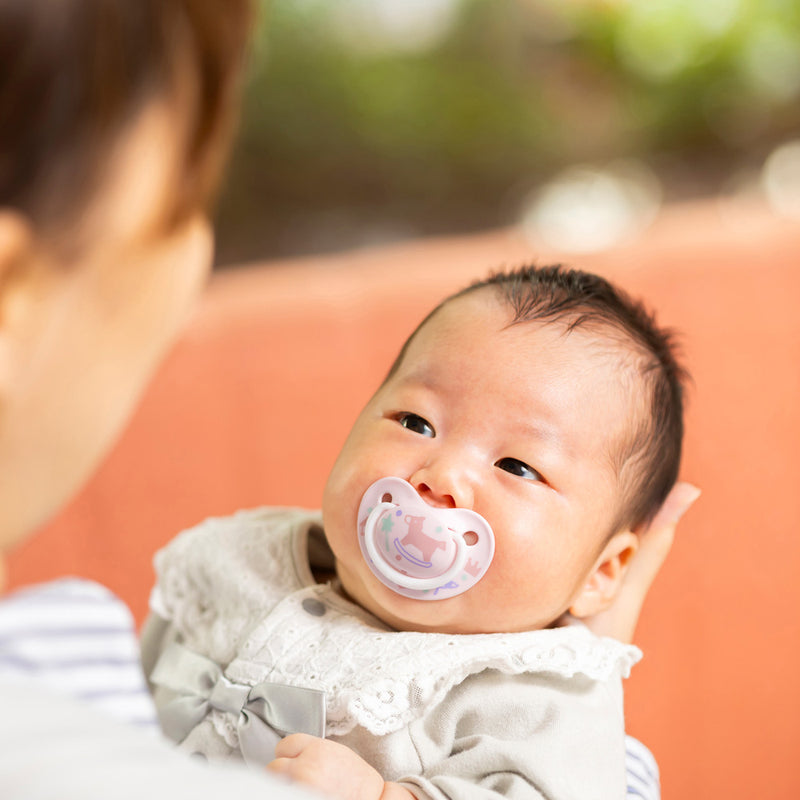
(409, 581)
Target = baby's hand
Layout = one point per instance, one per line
(333, 769)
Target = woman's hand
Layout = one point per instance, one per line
(655, 541)
(332, 769)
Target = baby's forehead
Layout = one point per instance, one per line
(570, 358)
(485, 310)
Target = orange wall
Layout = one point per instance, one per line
(254, 402)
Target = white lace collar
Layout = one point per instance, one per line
(383, 679)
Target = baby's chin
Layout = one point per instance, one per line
(395, 610)
(406, 614)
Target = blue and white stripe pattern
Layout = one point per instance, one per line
(76, 638)
(642, 771)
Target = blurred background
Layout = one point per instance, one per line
(375, 121)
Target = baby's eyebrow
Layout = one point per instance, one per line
(423, 377)
(542, 432)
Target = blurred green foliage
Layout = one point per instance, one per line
(363, 123)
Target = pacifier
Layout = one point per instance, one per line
(418, 550)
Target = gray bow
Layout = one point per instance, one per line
(266, 712)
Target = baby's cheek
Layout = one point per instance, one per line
(518, 593)
(342, 538)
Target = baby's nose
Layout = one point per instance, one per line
(445, 482)
(433, 498)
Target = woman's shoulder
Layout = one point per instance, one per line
(76, 638)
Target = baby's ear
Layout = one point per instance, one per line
(606, 576)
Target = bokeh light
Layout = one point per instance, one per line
(780, 179)
(585, 209)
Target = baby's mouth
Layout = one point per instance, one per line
(420, 551)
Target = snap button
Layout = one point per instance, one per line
(313, 607)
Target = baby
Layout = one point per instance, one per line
(427, 623)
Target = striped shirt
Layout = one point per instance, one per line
(642, 771)
(78, 639)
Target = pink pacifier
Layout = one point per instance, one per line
(418, 550)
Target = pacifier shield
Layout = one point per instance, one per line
(418, 550)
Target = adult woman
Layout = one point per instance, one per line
(114, 120)
(115, 117)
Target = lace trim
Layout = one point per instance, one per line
(383, 680)
(226, 728)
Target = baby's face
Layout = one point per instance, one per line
(520, 424)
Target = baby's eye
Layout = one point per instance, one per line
(417, 424)
(520, 468)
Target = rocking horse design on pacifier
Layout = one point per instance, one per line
(418, 550)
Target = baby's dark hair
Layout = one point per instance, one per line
(650, 457)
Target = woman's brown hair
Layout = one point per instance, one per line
(74, 73)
